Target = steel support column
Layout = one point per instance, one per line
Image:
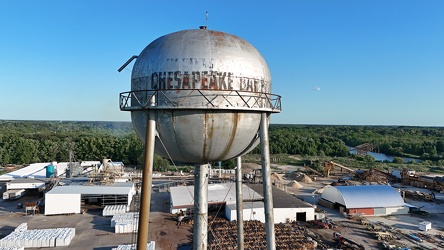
(200, 229)
(266, 177)
(239, 205)
(144, 213)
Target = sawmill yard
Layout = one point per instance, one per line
(93, 231)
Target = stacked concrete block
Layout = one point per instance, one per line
(114, 209)
(125, 223)
(22, 227)
(149, 246)
(38, 238)
(126, 217)
(126, 227)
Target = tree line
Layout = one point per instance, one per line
(24, 142)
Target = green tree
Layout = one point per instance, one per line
(228, 164)
(160, 163)
(24, 151)
(398, 160)
(369, 158)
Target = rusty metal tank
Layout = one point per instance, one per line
(208, 89)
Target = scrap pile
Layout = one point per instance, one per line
(372, 175)
(417, 195)
(324, 224)
(288, 236)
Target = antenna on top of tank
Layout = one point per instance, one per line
(206, 22)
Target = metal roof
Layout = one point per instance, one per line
(22, 180)
(247, 205)
(366, 196)
(35, 170)
(116, 189)
(183, 196)
(281, 199)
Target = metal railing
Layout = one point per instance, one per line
(200, 99)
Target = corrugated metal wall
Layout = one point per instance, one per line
(326, 204)
(397, 210)
(364, 211)
(380, 211)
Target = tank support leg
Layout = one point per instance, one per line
(239, 205)
(266, 177)
(200, 230)
(144, 214)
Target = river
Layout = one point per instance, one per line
(384, 157)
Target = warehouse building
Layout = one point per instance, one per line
(46, 170)
(286, 207)
(368, 200)
(68, 199)
(26, 184)
(182, 197)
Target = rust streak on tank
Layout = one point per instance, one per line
(234, 121)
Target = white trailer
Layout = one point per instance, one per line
(16, 194)
(13, 194)
(6, 195)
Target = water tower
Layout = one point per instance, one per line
(198, 96)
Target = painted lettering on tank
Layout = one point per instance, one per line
(169, 80)
(196, 79)
(178, 78)
(206, 79)
(221, 80)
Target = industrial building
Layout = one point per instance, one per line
(367, 200)
(97, 183)
(182, 197)
(26, 184)
(45, 170)
(68, 199)
(286, 207)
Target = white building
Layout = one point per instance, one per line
(370, 200)
(25, 184)
(286, 207)
(68, 199)
(182, 197)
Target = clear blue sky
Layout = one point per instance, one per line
(373, 62)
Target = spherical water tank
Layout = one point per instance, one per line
(208, 88)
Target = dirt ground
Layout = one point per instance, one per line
(94, 231)
(163, 228)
